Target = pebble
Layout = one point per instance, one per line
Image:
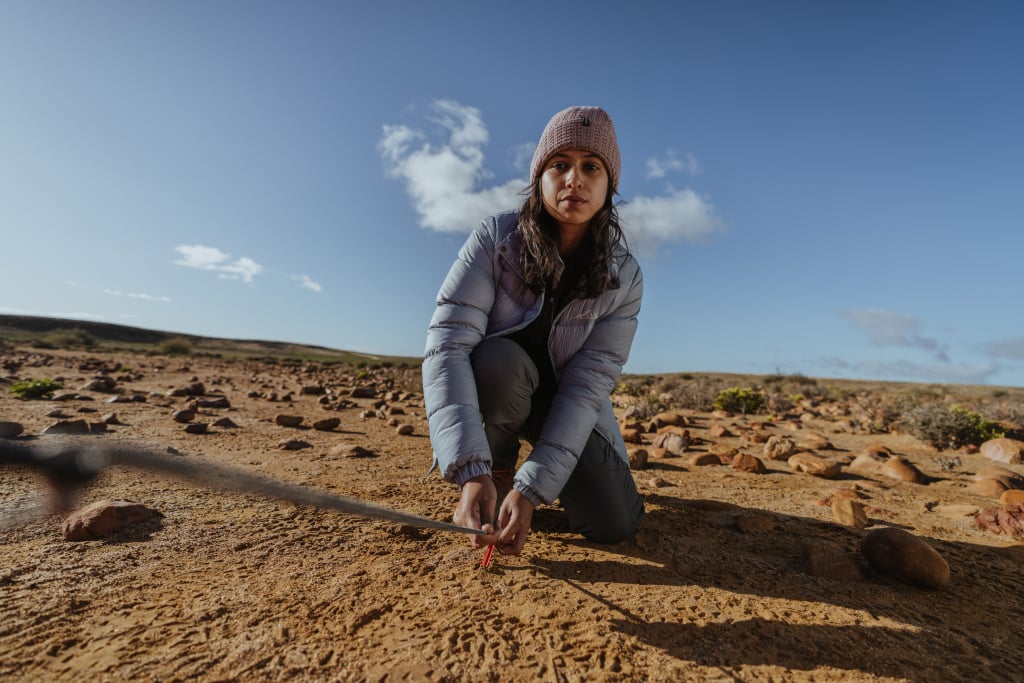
(405, 430)
(196, 428)
(327, 424)
(349, 451)
(288, 420)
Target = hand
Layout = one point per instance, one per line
(476, 509)
(514, 523)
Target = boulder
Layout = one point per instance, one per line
(990, 488)
(1010, 451)
(812, 441)
(829, 561)
(898, 468)
(902, 555)
(748, 463)
(815, 466)
(103, 517)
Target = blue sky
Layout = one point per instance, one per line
(832, 189)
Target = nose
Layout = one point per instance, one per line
(573, 177)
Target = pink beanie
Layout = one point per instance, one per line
(588, 128)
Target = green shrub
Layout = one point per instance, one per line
(949, 427)
(40, 388)
(176, 347)
(737, 400)
(74, 338)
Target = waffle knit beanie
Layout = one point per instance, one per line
(587, 128)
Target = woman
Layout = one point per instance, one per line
(533, 325)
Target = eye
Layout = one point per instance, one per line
(593, 167)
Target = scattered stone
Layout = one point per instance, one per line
(195, 389)
(1007, 520)
(748, 463)
(367, 414)
(779, 448)
(638, 459)
(879, 451)
(990, 488)
(225, 423)
(829, 561)
(196, 428)
(86, 410)
(1008, 478)
(348, 451)
(813, 441)
(220, 402)
(293, 444)
(405, 430)
(1010, 451)
(673, 443)
(754, 522)
(8, 429)
(671, 418)
(66, 397)
(718, 431)
(900, 469)
(705, 460)
(850, 513)
(121, 398)
(185, 415)
(867, 462)
(363, 392)
(902, 555)
(102, 518)
(103, 384)
(288, 420)
(68, 427)
(394, 422)
(314, 390)
(56, 413)
(632, 436)
(327, 424)
(97, 427)
(808, 463)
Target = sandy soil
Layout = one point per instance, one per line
(229, 586)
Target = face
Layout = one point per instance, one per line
(574, 186)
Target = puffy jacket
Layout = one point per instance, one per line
(484, 296)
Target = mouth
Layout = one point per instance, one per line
(573, 199)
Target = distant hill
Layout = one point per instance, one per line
(45, 332)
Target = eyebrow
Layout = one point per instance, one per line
(588, 155)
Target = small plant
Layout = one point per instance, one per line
(73, 338)
(737, 400)
(40, 388)
(950, 427)
(176, 347)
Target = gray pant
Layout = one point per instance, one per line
(600, 498)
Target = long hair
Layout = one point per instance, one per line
(540, 258)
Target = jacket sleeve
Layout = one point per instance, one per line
(584, 386)
(459, 323)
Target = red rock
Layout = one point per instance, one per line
(103, 517)
(1011, 497)
(1007, 520)
(813, 441)
(405, 430)
(850, 513)
(991, 488)
(811, 464)
(632, 436)
(667, 418)
(748, 463)
(704, 460)
(902, 555)
(718, 431)
(898, 468)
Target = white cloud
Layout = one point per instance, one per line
(522, 155)
(211, 258)
(306, 282)
(885, 328)
(679, 215)
(659, 168)
(945, 373)
(444, 181)
(138, 295)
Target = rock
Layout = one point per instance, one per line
(1010, 451)
(9, 429)
(288, 420)
(405, 430)
(666, 419)
(394, 422)
(1006, 520)
(754, 522)
(225, 422)
(68, 427)
(813, 441)
(327, 424)
(103, 384)
(990, 488)
(829, 561)
(718, 431)
(900, 469)
(293, 444)
(850, 513)
(748, 463)
(121, 398)
(103, 517)
(637, 459)
(185, 415)
(705, 460)
(111, 419)
(314, 390)
(880, 452)
(779, 448)
(195, 389)
(659, 483)
(363, 392)
(196, 428)
(673, 443)
(97, 427)
(811, 464)
(348, 451)
(866, 462)
(632, 436)
(220, 402)
(1011, 497)
(367, 414)
(902, 555)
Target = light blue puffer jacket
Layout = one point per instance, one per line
(484, 296)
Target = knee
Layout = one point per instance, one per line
(502, 369)
(616, 531)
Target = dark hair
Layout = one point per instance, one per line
(539, 258)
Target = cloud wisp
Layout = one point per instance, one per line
(447, 182)
(138, 295)
(905, 370)
(1008, 349)
(886, 328)
(307, 283)
(213, 259)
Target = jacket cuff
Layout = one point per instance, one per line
(528, 493)
(470, 470)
